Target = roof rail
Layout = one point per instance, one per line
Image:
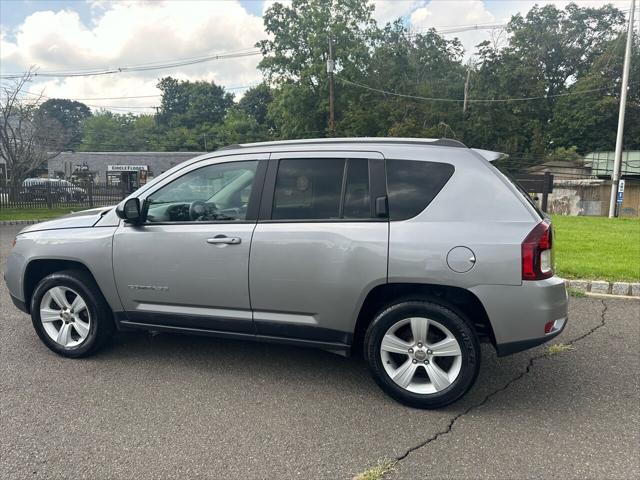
(440, 142)
(233, 146)
(449, 142)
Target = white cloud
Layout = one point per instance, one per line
(442, 14)
(130, 33)
(134, 32)
(390, 10)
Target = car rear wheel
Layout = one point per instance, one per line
(422, 353)
(70, 315)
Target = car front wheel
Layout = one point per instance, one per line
(70, 315)
(422, 353)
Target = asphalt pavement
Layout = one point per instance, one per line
(169, 406)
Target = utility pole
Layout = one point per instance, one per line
(466, 88)
(615, 175)
(204, 135)
(330, 69)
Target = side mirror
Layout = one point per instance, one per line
(130, 211)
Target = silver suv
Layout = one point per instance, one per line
(410, 251)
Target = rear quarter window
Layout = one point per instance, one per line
(520, 190)
(413, 184)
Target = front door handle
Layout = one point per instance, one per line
(224, 239)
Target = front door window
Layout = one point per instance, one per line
(219, 192)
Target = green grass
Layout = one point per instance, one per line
(34, 213)
(597, 248)
(377, 472)
(574, 292)
(559, 348)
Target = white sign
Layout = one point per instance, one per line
(620, 186)
(126, 168)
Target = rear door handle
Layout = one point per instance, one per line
(224, 239)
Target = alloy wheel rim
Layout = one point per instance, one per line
(421, 355)
(65, 317)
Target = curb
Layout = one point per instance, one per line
(601, 287)
(20, 222)
(608, 295)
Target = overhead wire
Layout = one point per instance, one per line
(470, 100)
(136, 68)
(242, 87)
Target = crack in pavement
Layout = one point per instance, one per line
(488, 397)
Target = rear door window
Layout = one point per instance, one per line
(413, 184)
(322, 189)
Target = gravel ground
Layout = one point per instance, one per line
(176, 406)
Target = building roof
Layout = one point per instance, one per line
(601, 163)
(157, 162)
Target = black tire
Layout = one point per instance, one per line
(454, 322)
(101, 327)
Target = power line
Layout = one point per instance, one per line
(242, 87)
(471, 100)
(137, 68)
(122, 107)
(459, 29)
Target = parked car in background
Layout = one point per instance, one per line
(410, 251)
(39, 189)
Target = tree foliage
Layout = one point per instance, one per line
(27, 140)
(70, 115)
(550, 89)
(191, 104)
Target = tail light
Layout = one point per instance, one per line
(537, 258)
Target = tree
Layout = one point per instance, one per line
(562, 44)
(296, 54)
(27, 140)
(548, 54)
(238, 127)
(588, 118)
(255, 102)
(190, 104)
(106, 131)
(425, 65)
(69, 114)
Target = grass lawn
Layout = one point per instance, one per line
(34, 213)
(597, 247)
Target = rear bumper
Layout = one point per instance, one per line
(515, 347)
(519, 313)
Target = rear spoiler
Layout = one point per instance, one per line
(489, 155)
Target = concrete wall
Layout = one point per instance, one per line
(591, 197)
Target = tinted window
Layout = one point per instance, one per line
(308, 189)
(317, 189)
(357, 203)
(413, 184)
(212, 193)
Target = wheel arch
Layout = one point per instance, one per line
(39, 268)
(460, 300)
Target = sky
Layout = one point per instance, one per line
(56, 35)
